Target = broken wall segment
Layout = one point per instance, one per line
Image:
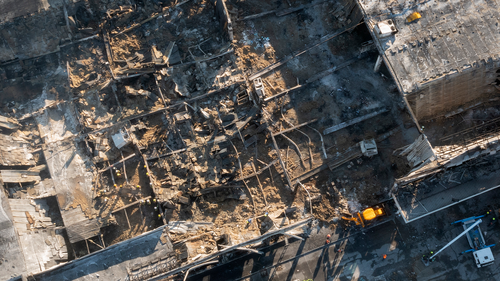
(44, 188)
(458, 175)
(73, 185)
(19, 176)
(418, 153)
(10, 247)
(9, 123)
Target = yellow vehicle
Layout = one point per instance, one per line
(367, 215)
(413, 17)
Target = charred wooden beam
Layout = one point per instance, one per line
(167, 154)
(131, 204)
(352, 122)
(298, 150)
(218, 187)
(283, 93)
(310, 173)
(294, 127)
(124, 167)
(126, 216)
(258, 172)
(241, 171)
(117, 163)
(260, 185)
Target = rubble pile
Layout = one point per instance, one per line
(193, 115)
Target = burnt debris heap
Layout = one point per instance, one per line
(151, 139)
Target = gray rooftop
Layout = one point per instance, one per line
(450, 37)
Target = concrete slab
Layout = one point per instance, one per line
(14, 151)
(140, 255)
(70, 169)
(42, 245)
(11, 257)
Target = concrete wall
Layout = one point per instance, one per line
(224, 18)
(455, 92)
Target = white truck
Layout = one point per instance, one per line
(481, 252)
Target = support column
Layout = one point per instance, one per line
(88, 249)
(124, 168)
(102, 240)
(126, 216)
(378, 64)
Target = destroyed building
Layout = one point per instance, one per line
(185, 131)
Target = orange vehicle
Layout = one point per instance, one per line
(367, 215)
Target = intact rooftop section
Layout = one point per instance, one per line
(446, 61)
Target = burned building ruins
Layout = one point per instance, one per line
(141, 139)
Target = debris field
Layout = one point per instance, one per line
(223, 120)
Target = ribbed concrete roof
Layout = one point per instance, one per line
(451, 36)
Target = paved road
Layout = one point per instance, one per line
(361, 255)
